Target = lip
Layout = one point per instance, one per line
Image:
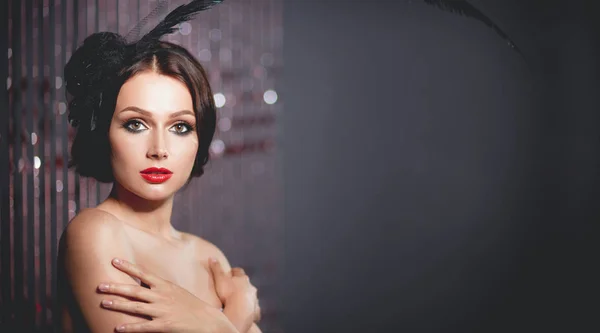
(156, 175)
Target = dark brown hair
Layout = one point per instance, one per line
(90, 152)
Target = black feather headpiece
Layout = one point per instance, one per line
(97, 63)
(464, 8)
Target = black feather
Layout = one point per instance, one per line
(464, 8)
(178, 15)
(134, 34)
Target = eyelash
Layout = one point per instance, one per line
(126, 125)
(188, 128)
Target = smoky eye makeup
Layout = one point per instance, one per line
(182, 128)
(179, 128)
(134, 125)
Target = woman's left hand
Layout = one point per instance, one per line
(172, 308)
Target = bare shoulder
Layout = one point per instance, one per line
(88, 244)
(92, 234)
(90, 223)
(91, 231)
(205, 249)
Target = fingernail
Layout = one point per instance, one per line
(121, 328)
(117, 261)
(106, 303)
(103, 287)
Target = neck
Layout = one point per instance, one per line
(150, 216)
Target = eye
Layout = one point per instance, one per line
(181, 128)
(134, 126)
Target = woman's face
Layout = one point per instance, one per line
(152, 136)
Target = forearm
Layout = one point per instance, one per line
(240, 328)
(254, 329)
(238, 314)
(224, 325)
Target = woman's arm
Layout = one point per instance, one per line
(254, 329)
(172, 308)
(89, 243)
(237, 317)
(238, 320)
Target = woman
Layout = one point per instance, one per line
(145, 117)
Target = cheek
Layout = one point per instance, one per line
(186, 150)
(124, 147)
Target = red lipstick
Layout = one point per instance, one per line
(156, 175)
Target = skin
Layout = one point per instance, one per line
(152, 126)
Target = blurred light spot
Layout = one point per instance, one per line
(58, 82)
(219, 100)
(225, 55)
(37, 162)
(59, 186)
(217, 147)
(9, 53)
(204, 55)
(36, 172)
(185, 28)
(33, 138)
(8, 83)
(21, 164)
(270, 96)
(72, 206)
(62, 108)
(224, 124)
(214, 35)
(57, 49)
(267, 59)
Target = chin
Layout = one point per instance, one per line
(153, 192)
(158, 192)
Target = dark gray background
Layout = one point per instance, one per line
(435, 182)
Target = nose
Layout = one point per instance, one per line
(158, 154)
(158, 149)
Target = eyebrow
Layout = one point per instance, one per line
(149, 114)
